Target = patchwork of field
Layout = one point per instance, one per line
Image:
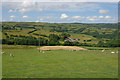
(82, 37)
(30, 63)
(86, 33)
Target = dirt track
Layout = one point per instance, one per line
(61, 48)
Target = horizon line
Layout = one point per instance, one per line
(71, 22)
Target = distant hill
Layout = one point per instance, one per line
(87, 33)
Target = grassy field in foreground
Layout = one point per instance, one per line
(29, 63)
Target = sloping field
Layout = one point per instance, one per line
(61, 48)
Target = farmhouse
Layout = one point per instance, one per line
(71, 40)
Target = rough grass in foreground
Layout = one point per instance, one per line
(29, 63)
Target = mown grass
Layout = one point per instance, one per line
(29, 63)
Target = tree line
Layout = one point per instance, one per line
(54, 39)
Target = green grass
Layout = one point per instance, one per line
(83, 37)
(29, 63)
(46, 30)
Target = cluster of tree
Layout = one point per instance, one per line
(53, 42)
(68, 43)
(63, 36)
(59, 29)
(8, 27)
(32, 31)
(53, 39)
(110, 43)
(16, 27)
(13, 35)
(25, 41)
(40, 35)
(97, 35)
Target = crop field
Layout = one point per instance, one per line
(28, 62)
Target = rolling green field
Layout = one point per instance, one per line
(84, 32)
(29, 63)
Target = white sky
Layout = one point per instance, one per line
(60, 0)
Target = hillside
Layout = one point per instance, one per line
(86, 33)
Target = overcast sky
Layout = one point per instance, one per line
(60, 12)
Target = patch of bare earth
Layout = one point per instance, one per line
(61, 48)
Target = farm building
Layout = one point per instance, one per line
(71, 40)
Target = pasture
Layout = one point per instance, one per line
(86, 33)
(30, 63)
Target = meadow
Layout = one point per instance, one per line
(28, 62)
